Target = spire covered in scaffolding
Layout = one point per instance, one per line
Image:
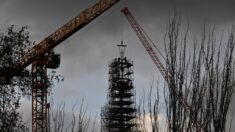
(118, 114)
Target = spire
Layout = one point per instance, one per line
(122, 48)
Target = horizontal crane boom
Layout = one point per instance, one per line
(56, 38)
(66, 30)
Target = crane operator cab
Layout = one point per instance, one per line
(53, 60)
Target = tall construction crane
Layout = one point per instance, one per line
(41, 56)
(144, 40)
(149, 46)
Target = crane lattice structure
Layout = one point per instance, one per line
(41, 56)
(146, 43)
(149, 46)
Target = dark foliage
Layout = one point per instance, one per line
(13, 45)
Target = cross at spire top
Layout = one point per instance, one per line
(122, 48)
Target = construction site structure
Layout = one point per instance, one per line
(145, 40)
(50, 42)
(40, 84)
(119, 113)
(151, 49)
(41, 56)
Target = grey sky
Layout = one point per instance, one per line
(85, 55)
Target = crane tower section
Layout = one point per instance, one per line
(40, 89)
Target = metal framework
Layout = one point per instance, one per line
(118, 115)
(143, 38)
(67, 30)
(56, 38)
(40, 84)
(39, 94)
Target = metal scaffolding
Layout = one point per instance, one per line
(118, 114)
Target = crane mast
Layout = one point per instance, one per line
(41, 56)
(143, 38)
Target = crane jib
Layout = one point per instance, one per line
(68, 29)
(61, 34)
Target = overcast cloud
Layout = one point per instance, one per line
(85, 55)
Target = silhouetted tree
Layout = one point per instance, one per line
(79, 122)
(13, 45)
(148, 108)
(199, 86)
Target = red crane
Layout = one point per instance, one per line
(148, 43)
(41, 56)
(144, 40)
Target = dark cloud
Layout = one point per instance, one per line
(85, 55)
